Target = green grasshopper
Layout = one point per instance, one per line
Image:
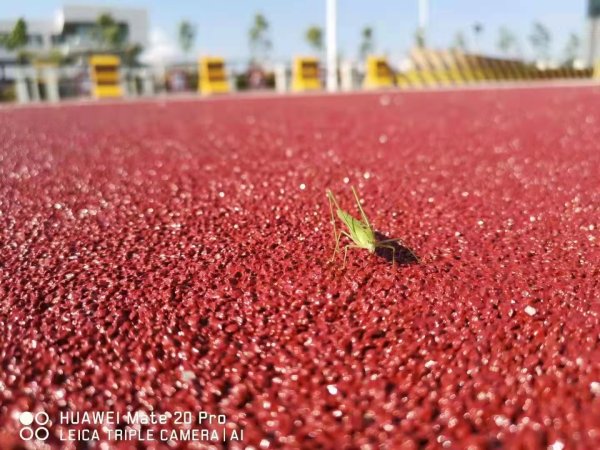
(359, 231)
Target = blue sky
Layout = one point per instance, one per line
(223, 24)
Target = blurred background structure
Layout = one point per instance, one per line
(421, 43)
(78, 30)
(593, 38)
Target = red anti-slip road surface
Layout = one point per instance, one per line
(175, 256)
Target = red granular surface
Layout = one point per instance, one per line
(175, 256)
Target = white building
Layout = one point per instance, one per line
(71, 30)
(592, 53)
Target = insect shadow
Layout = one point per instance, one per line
(403, 255)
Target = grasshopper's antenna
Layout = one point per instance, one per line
(333, 201)
(332, 198)
(362, 213)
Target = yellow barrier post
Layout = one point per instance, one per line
(596, 74)
(378, 73)
(212, 76)
(106, 80)
(305, 74)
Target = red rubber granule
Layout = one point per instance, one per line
(163, 256)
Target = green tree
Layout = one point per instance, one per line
(314, 38)
(572, 49)
(367, 44)
(420, 38)
(17, 39)
(54, 56)
(186, 35)
(107, 33)
(459, 42)
(131, 54)
(507, 41)
(260, 44)
(541, 39)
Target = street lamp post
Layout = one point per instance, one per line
(423, 17)
(332, 83)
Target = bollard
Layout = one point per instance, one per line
(347, 76)
(34, 84)
(281, 82)
(21, 89)
(51, 78)
(129, 76)
(231, 77)
(147, 82)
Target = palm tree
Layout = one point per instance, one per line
(366, 45)
(108, 34)
(260, 44)
(572, 49)
(314, 38)
(541, 39)
(130, 55)
(420, 38)
(459, 42)
(186, 35)
(507, 41)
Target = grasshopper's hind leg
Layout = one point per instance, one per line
(337, 245)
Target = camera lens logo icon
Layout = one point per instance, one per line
(27, 433)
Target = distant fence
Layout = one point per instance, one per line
(430, 68)
(425, 68)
